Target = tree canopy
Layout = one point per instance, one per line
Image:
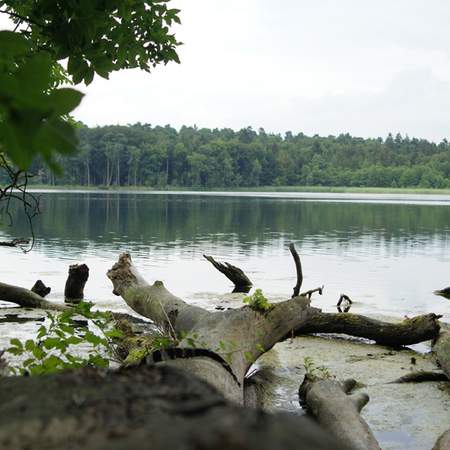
(56, 42)
(155, 156)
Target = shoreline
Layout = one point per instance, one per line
(260, 189)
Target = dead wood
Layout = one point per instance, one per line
(238, 336)
(407, 332)
(153, 407)
(26, 298)
(14, 243)
(41, 289)
(421, 376)
(236, 275)
(76, 280)
(298, 269)
(441, 349)
(443, 443)
(336, 411)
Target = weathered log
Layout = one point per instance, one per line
(407, 332)
(441, 349)
(26, 298)
(298, 269)
(236, 275)
(238, 336)
(41, 289)
(443, 443)
(14, 243)
(420, 377)
(153, 407)
(338, 412)
(76, 280)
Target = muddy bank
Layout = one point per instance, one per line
(407, 415)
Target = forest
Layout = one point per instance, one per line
(160, 157)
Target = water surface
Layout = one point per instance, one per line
(387, 252)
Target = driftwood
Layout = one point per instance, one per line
(338, 412)
(421, 376)
(443, 443)
(238, 336)
(76, 280)
(41, 289)
(26, 298)
(240, 280)
(407, 332)
(441, 349)
(14, 243)
(298, 269)
(153, 407)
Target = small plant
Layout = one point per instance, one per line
(62, 344)
(315, 372)
(258, 302)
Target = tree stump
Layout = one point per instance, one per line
(74, 289)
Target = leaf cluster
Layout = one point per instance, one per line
(62, 344)
(258, 301)
(315, 372)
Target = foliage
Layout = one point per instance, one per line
(258, 302)
(62, 344)
(314, 372)
(96, 37)
(154, 156)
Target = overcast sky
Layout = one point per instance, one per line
(316, 66)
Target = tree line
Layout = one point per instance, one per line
(160, 157)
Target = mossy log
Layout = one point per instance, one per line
(338, 412)
(143, 407)
(407, 332)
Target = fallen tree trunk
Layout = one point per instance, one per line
(26, 298)
(144, 407)
(338, 412)
(407, 332)
(236, 275)
(238, 336)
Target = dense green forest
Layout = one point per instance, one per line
(155, 156)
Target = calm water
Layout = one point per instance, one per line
(388, 253)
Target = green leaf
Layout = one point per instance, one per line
(12, 43)
(16, 343)
(65, 100)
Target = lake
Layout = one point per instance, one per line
(387, 252)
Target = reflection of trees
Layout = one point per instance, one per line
(179, 219)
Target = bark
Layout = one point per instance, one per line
(298, 269)
(443, 443)
(407, 332)
(153, 407)
(338, 412)
(74, 289)
(241, 282)
(26, 298)
(441, 349)
(41, 289)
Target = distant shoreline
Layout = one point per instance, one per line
(323, 189)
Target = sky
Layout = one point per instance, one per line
(312, 66)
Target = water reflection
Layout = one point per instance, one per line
(389, 256)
